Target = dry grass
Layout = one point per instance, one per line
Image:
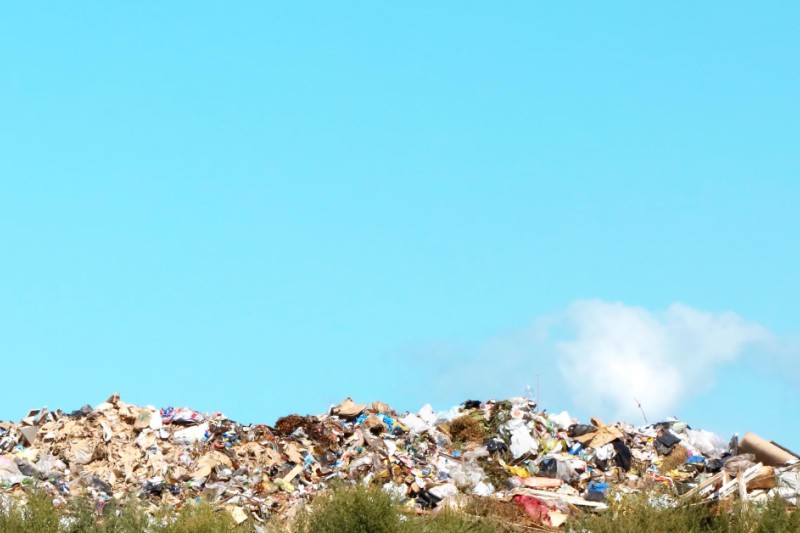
(467, 429)
(674, 460)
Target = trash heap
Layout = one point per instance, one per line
(546, 465)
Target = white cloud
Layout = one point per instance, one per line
(620, 354)
(601, 357)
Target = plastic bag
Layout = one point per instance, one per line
(472, 404)
(414, 424)
(522, 441)
(9, 472)
(477, 453)
(668, 439)
(714, 465)
(427, 415)
(604, 453)
(443, 491)
(191, 434)
(562, 420)
(597, 491)
(483, 489)
(576, 430)
(180, 415)
(552, 467)
(739, 463)
(623, 456)
(466, 475)
(708, 443)
(449, 415)
(80, 453)
(49, 465)
(548, 467)
(396, 491)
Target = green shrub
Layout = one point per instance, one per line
(360, 509)
(775, 516)
(633, 514)
(34, 515)
(352, 509)
(127, 517)
(455, 522)
(200, 518)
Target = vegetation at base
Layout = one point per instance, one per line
(359, 509)
(37, 514)
(351, 508)
(634, 514)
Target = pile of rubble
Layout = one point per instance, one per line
(549, 465)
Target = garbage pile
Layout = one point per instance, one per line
(548, 465)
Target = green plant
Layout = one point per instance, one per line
(82, 516)
(634, 514)
(361, 509)
(776, 516)
(199, 518)
(457, 522)
(35, 514)
(351, 509)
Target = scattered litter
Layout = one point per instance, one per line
(544, 465)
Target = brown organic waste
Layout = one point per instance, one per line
(467, 428)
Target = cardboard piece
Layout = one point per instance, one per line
(535, 482)
(207, 463)
(765, 479)
(348, 409)
(293, 454)
(601, 437)
(237, 513)
(293, 473)
(557, 518)
(142, 419)
(765, 451)
(29, 433)
(35, 417)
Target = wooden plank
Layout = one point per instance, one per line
(704, 485)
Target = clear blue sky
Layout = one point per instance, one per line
(263, 208)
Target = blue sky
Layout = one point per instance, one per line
(265, 208)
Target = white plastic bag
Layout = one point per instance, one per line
(466, 475)
(522, 441)
(191, 434)
(708, 443)
(415, 424)
(562, 420)
(427, 415)
(9, 471)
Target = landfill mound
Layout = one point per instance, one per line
(549, 466)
